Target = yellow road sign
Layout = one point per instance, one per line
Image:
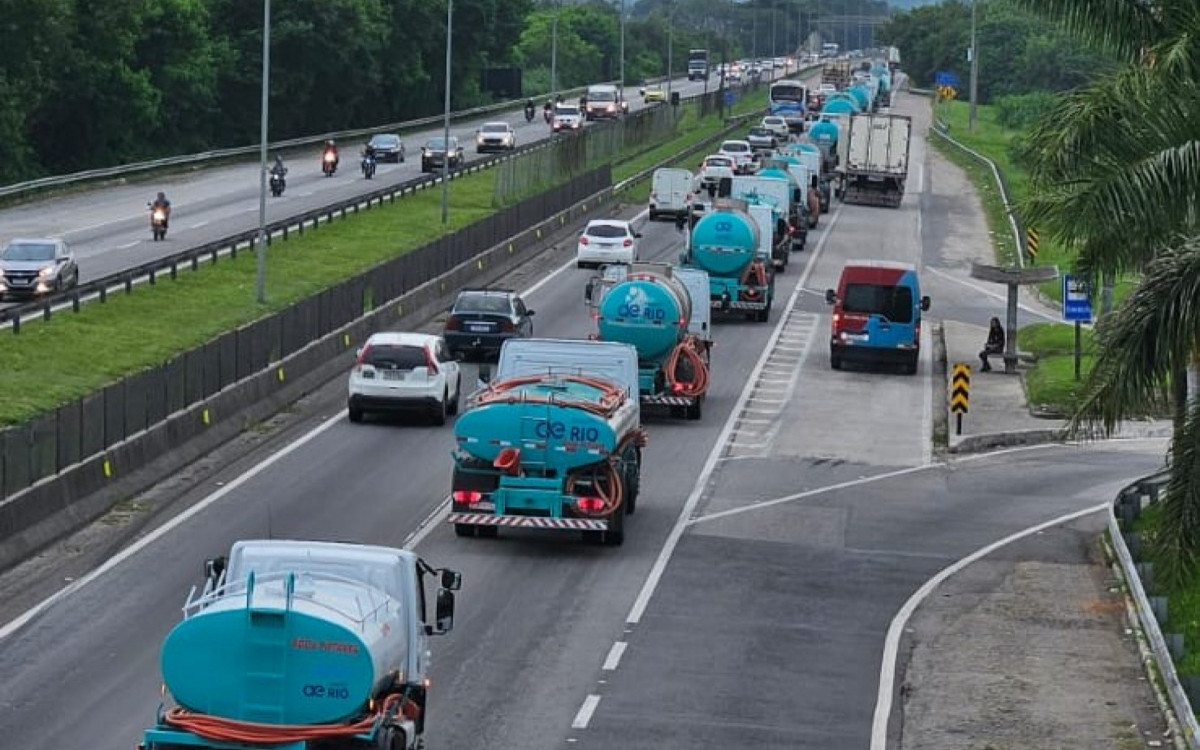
(1031, 242)
(960, 388)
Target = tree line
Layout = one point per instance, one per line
(97, 83)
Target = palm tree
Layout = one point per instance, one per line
(1116, 174)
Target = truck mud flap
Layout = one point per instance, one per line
(667, 400)
(529, 522)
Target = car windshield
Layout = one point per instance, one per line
(602, 96)
(787, 92)
(567, 111)
(394, 356)
(438, 144)
(718, 163)
(734, 148)
(605, 230)
(495, 127)
(773, 121)
(28, 251)
(761, 132)
(385, 141)
(486, 303)
(893, 302)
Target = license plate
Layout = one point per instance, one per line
(393, 375)
(856, 337)
(479, 328)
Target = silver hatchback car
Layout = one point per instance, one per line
(32, 267)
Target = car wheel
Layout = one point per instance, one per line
(439, 411)
(835, 361)
(452, 408)
(355, 414)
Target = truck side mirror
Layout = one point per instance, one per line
(444, 612)
(924, 304)
(451, 579)
(830, 296)
(213, 568)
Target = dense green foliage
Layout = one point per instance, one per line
(1018, 51)
(94, 83)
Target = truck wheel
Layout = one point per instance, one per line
(487, 532)
(694, 410)
(633, 484)
(464, 529)
(452, 407)
(615, 537)
(835, 361)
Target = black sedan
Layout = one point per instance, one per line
(437, 150)
(388, 147)
(481, 320)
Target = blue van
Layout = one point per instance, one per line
(877, 310)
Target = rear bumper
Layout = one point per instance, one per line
(406, 402)
(867, 353)
(648, 400)
(466, 341)
(529, 522)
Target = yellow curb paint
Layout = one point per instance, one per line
(346, 340)
(479, 264)
(539, 233)
(279, 374)
(205, 417)
(108, 471)
(510, 248)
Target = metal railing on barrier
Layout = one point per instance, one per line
(1127, 507)
(21, 188)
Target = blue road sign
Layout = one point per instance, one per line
(1077, 304)
(942, 78)
(728, 98)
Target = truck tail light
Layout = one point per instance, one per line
(467, 497)
(589, 504)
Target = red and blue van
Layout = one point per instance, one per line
(877, 310)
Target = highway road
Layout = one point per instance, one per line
(109, 229)
(774, 541)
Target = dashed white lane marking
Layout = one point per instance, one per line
(197, 225)
(584, 717)
(127, 245)
(614, 656)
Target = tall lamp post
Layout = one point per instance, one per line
(446, 113)
(974, 68)
(622, 50)
(554, 53)
(670, 17)
(260, 271)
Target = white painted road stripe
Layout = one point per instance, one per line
(614, 656)
(891, 646)
(714, 456)
(584, 717)
(127, 245)
(198, 224)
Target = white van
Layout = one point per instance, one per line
(604, 101)
(670, 192)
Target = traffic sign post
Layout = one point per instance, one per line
(1077, 308)
(960, 393)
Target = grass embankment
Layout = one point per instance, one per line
(1050, 386)
(1183, 600)
(53, 362)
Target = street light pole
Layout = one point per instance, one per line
(670, 17)
(622, 50)
(260, 271)
(446, 112)
(554, 53)
(974, 67)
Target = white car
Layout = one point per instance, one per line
(741, 153)
(607, 241)
(495, 136)
(827, 88)
(713, 169)
(567, 117)
(404, 372)
(776, 125)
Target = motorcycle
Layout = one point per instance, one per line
(158, 222)
(329, 163)
(547, 115)
(278, 183)
(529, 114)
(368, 166)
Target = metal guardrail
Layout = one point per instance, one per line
(149, 271)
(43, 183)
(1182, 707)
(940, 129)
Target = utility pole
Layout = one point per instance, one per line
(670, 18)
(974, 66)
(446, 114)
(554, 53)
(622, 50)
(260, 255)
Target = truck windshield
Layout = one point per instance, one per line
(893, 302)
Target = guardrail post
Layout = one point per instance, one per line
(152, 276)
(232, 252)
(103, 294)
(129, 283)
(285, 233)
(74, 301)
(214, 256)
(16, 323)
(46, 310)
(174, 270)
(195, 262)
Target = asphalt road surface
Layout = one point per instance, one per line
(774, 541)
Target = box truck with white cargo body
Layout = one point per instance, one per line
(876, 163)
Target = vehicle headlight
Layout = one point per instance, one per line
(479, 138)
(46, 272)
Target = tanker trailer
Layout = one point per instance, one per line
(798, 221)
(824, 135)
(302, 645)
(725, 243)
(812, 158)
(776, 192)
(792, 163)
(553, 441)
(650, 307)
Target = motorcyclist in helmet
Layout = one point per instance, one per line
(530, 109)
(278, 168)
(330, 148)
(161, 202)
(548, 110)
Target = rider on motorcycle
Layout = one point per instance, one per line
(529, 109)
(278, 168)
(368, 153)
(162, 203)
(330, 148)
(548, 110)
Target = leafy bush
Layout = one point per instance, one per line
(1019, 111)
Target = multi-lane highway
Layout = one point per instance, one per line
(109, 227)
(774, 540)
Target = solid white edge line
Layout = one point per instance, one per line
(891, 648)
(613, 660)
(710, 464)
(584, 717)
(143, 542)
